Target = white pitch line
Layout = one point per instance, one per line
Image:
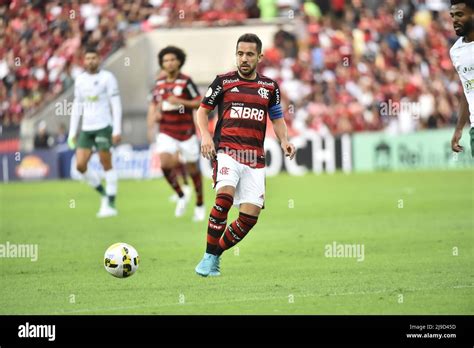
(85, 310)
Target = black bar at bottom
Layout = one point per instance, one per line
(349, 331)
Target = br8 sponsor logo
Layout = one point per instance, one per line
(247, 113)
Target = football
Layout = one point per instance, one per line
(121, 260)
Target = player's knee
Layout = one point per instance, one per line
(229, 190)
(106, 161)
(166, 166)
(107, 165)
(248, 220)
(192, 168)
(81, 167)
(166, 161)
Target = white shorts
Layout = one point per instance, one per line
(189, 149)
(249, 182)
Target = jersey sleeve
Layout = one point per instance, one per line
(77, 91)
(114, 97)
(275, 110)
(192, 90)
(77, 108)
(112, 86)
(213, 95)
(154, 95)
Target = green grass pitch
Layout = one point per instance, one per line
(417, 229)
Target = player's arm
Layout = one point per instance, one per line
(153, 116)
(281, 131)
(76, 112)
(275, 112)
(207, 144)
(462, 120)
(209, 102)
(114, 97)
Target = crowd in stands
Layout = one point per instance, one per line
(351, 66)
(371, 65)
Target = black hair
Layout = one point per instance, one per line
(178, 52)
(91, 49)
(251, 38)
(469, 3)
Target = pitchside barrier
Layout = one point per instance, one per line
(316, 153)
(421, 150)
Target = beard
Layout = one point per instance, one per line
(465, 29)
(248, 73)
(92, 68)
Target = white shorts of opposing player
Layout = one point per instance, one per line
(249, 182)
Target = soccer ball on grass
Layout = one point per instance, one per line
(121, 260)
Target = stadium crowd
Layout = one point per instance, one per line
(352, 66)
(371, 65)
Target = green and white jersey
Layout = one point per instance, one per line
(97, 100)
(462, 56)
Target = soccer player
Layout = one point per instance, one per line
(462, 56)
(182, 173)
(97, 100)
(244, 98)
(174, 97)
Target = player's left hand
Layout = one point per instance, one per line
(71, 142)
(455, 141)
(289, 149)
(116, 139)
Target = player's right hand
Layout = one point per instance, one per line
(289, 149)
(207, 147)
(71, 142)
(455, 141)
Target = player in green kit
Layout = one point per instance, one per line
(97, 100)
(462, 56)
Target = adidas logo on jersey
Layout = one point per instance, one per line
(235, 89)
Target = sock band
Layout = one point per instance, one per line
(218, 221)
(236, 231)
(111, 182)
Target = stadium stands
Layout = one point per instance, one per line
(385, 65)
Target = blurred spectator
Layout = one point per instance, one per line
(347, 62)
(385, 65)
(43, 140)
(61, 135)
(60, 138)
(41, 41)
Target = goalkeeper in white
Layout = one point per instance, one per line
(97, 100)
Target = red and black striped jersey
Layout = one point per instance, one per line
(177, 121)
(243, 106)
